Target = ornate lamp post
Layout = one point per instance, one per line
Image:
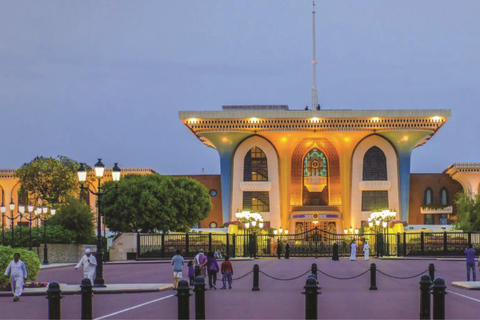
(3, 209)
(44, 210)
(82, 177)
(30, 220)
(12, 218)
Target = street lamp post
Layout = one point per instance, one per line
(45, 220)
(82, 177)
(30, 220)
(3, 209)
(12, 218)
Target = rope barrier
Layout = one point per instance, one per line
(402, 278)
(235, 279)
(340, 278)
(285, 279)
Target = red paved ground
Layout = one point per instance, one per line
(341, 299)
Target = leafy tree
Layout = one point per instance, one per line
(76, 216)
(468, 211)
(52, 180)
(148, 203)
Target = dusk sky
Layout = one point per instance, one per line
(90, 79)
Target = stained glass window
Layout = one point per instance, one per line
(255, 165)
(374, 165)
(256, 201)
(315, 164)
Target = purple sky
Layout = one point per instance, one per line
(90, 79)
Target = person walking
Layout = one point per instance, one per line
(366, 250)
(279, 249)
(335, 251)
(18, 275)
(227, 272)
(212, 267)
(470, 252)
(177, 263)
(353, 251)
(89, 263)
(191, 272)
(201, 260)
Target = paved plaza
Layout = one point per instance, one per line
(340, 299)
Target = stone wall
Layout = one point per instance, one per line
(64, 253)
(124, 244)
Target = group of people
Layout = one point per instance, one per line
(353, 251)
(208, 267)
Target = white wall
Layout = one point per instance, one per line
(392, 185)
(273, 184)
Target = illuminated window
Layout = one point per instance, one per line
(375, 165)
(256, 201)
(374, 200)
(255, 165)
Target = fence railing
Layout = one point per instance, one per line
(163, 245)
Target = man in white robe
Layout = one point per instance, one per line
(353, 252)
(89, 263)
(366, 250)
(18, 275)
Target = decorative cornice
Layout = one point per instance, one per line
(446, 210)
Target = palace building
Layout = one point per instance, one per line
(300, 168)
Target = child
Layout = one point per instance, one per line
(191, 272)
(18, 275)
(227, 271)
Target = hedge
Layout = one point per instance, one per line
(30, 258)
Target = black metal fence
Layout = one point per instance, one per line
(313, 242)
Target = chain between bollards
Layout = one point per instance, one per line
(87, 294)
(439, 290)
(256, 278)
(431, 271)
(54, 295)
(425, 285)
(311, 302)
(183, 294)
(199, 297)
(373, 277)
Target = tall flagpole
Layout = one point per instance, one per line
(314, 64)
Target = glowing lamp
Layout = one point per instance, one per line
(21, 209)
(260, 225)
(116, 173)
(356, 230)
(247, 225)
(351, 229)
(286, 231)
(82, 174)
(370, 224)
(280, 230)
(275, 232)
(345, 230)
(45, 209)
(377, 222)
(12, 205)
(30, 208)
(3, 208)
(384, 224)
(99, 169)
(53, 211)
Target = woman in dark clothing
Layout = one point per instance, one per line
(212, 268)
(287, 251)
(279, 249)
(335, 252)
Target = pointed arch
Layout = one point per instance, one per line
(444, 196)
(428, 196)
(255, 165)
(375, 165)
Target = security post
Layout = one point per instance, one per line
(311, 293)
(183, 294)
(54, 294)
(425, 285)
(256, 272)
(87, 294)
(431, 271)
(373, 277)
(439, 291)
(199, 297)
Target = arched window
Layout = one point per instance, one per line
(428, 199)
(255, 166)
(375, 165)
(444, 197)
(315, 164)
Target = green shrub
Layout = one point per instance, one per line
(30, 258)
(55, 234)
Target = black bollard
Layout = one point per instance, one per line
(373, 277)
(314, 270)
(87, 294)
(425, 285)
(256, 273)
(439, 290)
(183, 294)
(311, 293)
(431, 271)
(199, 297)
(197, 271)
(54, 294)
